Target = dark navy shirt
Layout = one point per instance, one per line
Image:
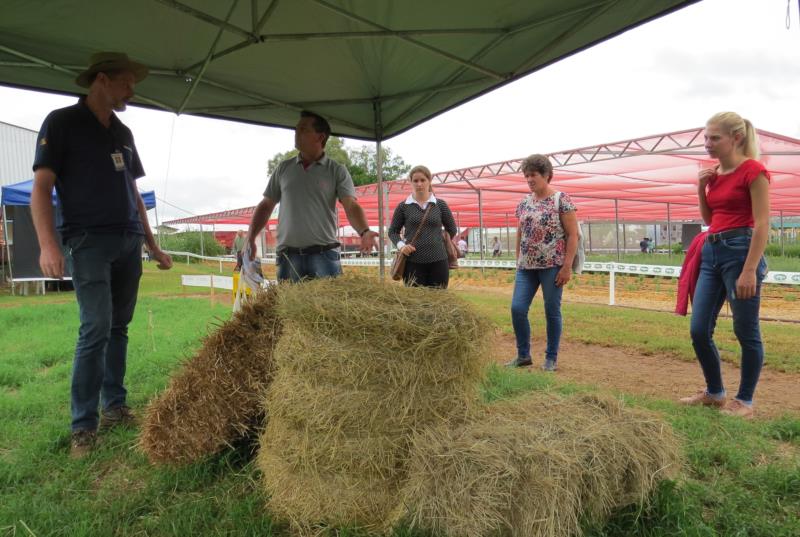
(95, 193)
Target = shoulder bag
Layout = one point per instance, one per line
(399, 261)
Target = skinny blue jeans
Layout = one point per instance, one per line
(721, 265)
(526, 283)
(297, 267)
(106, 269)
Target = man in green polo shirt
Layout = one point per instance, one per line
(307, 187)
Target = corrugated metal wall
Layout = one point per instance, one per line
(17, 146)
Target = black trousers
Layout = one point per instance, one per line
(436, 274)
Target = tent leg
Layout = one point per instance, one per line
(589, 223)
(383, 247)
(616, 224)
(8, 251)
(783, 252)
(480, 226)
(669, 232)
(624, 239)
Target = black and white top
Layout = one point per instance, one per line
(429, 244)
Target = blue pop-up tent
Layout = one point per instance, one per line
(22, 247)
(20, 194)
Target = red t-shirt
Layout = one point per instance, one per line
(728, 196)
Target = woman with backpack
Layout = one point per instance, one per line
(547, 242)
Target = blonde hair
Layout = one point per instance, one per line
(733, 124)
(424, 171)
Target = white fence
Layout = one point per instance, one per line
(662, 271)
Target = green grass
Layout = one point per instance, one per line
(741, 478)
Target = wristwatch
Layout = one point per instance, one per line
(361, 233)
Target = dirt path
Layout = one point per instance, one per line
(663, 377)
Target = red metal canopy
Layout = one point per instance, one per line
(642, 180)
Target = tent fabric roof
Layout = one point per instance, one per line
(375, 69)
(20, 194)
(640, 176)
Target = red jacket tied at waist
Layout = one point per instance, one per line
(690, 270)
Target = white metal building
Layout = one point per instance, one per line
(17, 146)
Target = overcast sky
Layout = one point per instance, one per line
(670, 74)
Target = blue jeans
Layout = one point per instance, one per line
(105, 269)
(526, 283)
(297, 267)
(721, 266)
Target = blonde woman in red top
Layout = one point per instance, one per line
(734, 202)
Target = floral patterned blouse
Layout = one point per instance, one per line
(542, 243)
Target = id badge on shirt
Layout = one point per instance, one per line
(118, 160)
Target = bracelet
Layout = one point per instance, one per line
(361, 233)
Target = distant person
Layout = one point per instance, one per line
(462, 247)
(734, 202)
(644, 244)
(497, 250)
(89, 156)
(427, 263)
(239, 242)
(547, 242)
(650, 245)
(307, 187)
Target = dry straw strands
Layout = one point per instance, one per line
(216, 398)
(535, 466)
(362, 366)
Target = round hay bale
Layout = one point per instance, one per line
(217, 396)
(535, 466)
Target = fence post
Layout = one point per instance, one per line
(611, 285)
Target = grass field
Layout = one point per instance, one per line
(741, 478)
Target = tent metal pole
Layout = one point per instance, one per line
(616, 224)
(783, 252)
(158, 231)
(669, 232)
(624, 238)
(508, 235)
(382, 243)
(589, 223)
(202, 245)
(8, 251)
(480, 225)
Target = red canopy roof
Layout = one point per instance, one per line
(642, 180)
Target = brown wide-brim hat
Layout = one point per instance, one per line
(103, 62)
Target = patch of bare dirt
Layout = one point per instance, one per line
(662, 377)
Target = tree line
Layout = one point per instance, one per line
(360, 161)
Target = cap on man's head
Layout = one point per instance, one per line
(103, 62)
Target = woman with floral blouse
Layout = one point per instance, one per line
(547, 240)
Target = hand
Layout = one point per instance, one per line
(563, 276)
(251, 243)
(746, 285)
(407, 250)
(368, 241)
(704, 176)
(163, 258)
(51, 261)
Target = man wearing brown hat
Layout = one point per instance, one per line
(89, 156)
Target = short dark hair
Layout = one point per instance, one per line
(537, 163)
(320, 124)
